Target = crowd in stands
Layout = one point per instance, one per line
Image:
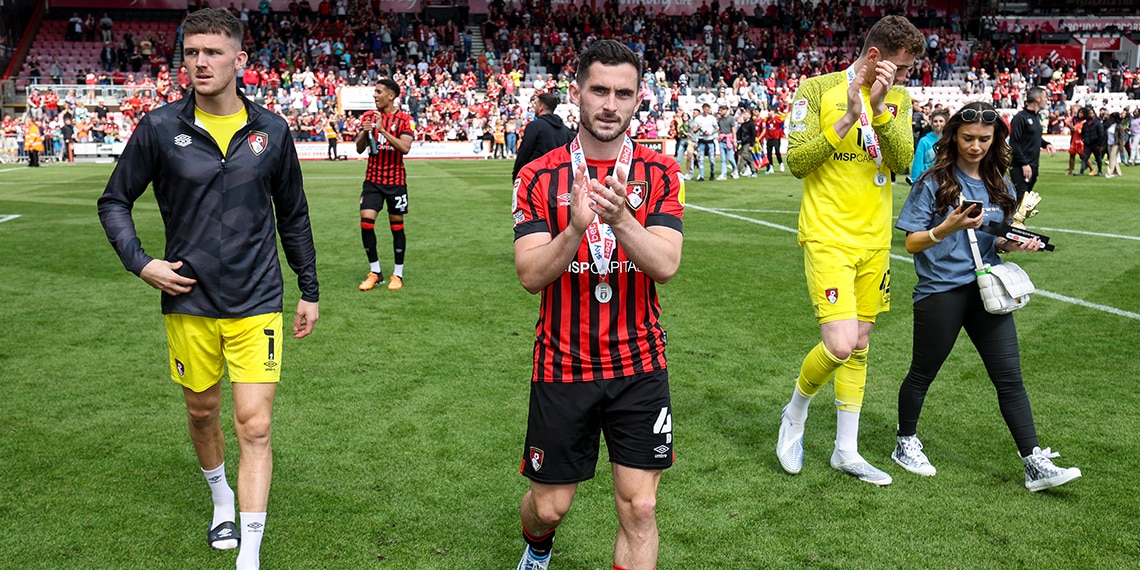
(301, 58)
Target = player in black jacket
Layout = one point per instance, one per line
(225, 175)
(1025, 130)
(545, 133)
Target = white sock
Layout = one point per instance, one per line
(847, 433)
(222, 494)
(398, 270)
(374, 266)
(798, 407)
(252, 527)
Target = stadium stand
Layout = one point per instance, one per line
(467, 74)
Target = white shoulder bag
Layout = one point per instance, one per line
(1005, 288)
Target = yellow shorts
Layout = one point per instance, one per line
(847, 282)
(249, 347)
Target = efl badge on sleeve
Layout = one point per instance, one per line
(832, 295)
(535, 457)
(258, 142)
(799, 110)
(635, 193)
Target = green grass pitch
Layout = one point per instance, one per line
(399, 424)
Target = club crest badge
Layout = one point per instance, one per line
(258, 142)
(894, 109)
(180, 367)
(635, 193)
(832, 295)
(535, 457)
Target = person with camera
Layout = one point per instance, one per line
(965, 188)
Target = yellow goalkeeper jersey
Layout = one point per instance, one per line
(842, 203)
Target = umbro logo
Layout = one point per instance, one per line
(215, 478)
(564, 199)
(183, 140)
(270, 365)
(661, 448)
(254, 526)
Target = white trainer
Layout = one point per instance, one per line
(908, 453)
(531, 562)
(790, 444)
(1041, 474)
(855, 466)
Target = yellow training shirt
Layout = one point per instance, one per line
(842, 204)
(222, 127)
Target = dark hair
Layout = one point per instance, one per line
(548, 101)
(893, 34)
(210, 21)
(945, 114)
(993, 167)
(606, 52)
(390, 85)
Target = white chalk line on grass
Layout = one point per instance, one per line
(1084, 233)
(8, 217)
(1043, 293)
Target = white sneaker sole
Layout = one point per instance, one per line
(927, 470)
(1070, 474)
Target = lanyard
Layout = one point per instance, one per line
(599, 235)
(869, 139)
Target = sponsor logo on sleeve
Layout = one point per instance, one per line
(799, 110)
(515, 195)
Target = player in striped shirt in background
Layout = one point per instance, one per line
(386, 135)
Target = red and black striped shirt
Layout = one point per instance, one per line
(577, 338)
(386, 166)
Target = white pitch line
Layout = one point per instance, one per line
(1043, 293)
(8, 217)
(758, 211)
(1084, 233)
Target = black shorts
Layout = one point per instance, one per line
(374, 196)
(565, 420)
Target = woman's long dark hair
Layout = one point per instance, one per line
(993, 168)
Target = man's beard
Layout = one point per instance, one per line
(588, 125)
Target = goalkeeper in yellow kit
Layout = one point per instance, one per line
(847, 132)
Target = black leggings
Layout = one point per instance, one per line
(773, 148)
(937, 321)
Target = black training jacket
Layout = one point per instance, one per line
(222, 214)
